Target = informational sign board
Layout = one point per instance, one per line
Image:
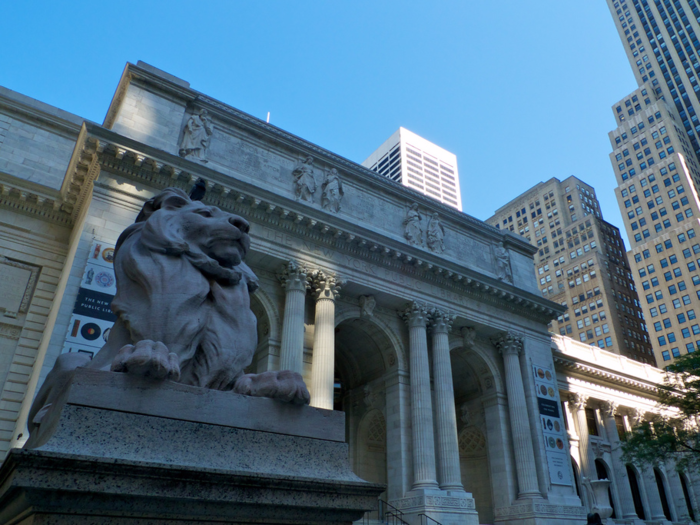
(552, 426)
(92, 317)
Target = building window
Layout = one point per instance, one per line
(591, 422)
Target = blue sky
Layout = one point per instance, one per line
(519, 90)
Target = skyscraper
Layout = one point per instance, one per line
(655, 160)
(581, 264)
(420, 165)
(661, 42)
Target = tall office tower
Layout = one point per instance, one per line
(661, 42)
(656, 152)
(581, 264)
(658, 180)
(420, 165)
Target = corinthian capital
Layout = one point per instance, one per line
(325, 285)
(415, 314)
(578, 401)
(608, 409)
(292, 276)
(440, 321)
(508, 343)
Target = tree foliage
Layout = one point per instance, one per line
(674, 433)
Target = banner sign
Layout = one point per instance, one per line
(552, 426)
(92, 317)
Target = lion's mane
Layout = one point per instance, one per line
(170, 290)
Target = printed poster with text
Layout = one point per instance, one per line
(92, 317)
(552, 426)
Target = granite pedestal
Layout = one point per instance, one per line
(131, 451)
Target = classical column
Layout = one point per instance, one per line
(416, 316)
(608, 410)
(325, 288)
(449, 477)
(293, 279)
(578, 403)
(510, 347)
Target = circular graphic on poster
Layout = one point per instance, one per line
(548, 375)
(560, 444)
(105, 335)
(543, 389)
(90, 331)
(550, 391)
(540, 373)
(104, 279)
(551, 442)
(108, 255)
(556, 426)
(549, 424)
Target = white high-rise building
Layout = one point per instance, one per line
(418, 164)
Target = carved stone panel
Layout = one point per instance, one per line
(17, 282)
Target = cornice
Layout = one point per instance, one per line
(32, 199)
(606, 375)
(159, 169)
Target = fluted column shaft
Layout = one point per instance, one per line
(325, 289)
(293, 278)
(624, 490)
(448, 471)
(416, 316)
(510, 346)
(578, 403)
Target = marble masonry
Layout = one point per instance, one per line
(419, 331)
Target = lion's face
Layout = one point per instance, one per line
(220, 235)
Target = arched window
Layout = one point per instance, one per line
(686, 495)
(662, 494)
(636, 495)
(602, 472)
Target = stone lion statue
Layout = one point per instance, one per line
(182, 306)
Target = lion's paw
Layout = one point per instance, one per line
(286, 386)
(147, 359)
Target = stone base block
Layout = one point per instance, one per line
(124, 450)
(540, 512)
(444, 506)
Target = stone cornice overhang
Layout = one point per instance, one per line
(351, 170)
(597, 373)
(129, 158)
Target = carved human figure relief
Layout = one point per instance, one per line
(196, 136)
(367, 304)
(413, 229)
(304, 181)
(503, 269)
(332, 191)
(435, 234)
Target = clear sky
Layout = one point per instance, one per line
(519, 90)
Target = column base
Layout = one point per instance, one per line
(445, 506)
(540, 512)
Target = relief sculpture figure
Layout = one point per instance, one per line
(182, 306)
(436, 234)
(332, 191)
(304, 181)
(197, 136)
(413, 231)
(503, 270)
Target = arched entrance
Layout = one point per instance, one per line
(266, 353)
(636, 494)
(686, 494)
(474, 383)
(364, 355)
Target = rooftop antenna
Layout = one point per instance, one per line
(268, 117)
